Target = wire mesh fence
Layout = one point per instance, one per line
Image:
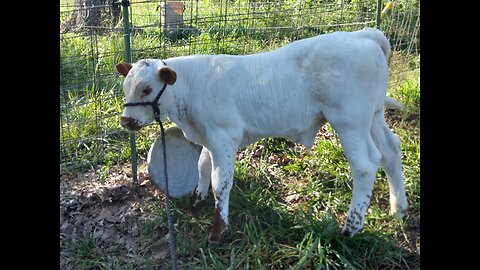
(92, 42)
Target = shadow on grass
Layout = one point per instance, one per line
(107, 226)
(266, 234)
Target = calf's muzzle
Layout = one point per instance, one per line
(129, 123)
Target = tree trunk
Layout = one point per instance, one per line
(92, 15)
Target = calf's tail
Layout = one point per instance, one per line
(391, 103)
(377, 36)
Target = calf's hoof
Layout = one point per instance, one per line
(219, 228)
(399, 214)
(350, 229)
(197, 201)
(399, 209)
(215, 238)
(345, 233)
(214, 244)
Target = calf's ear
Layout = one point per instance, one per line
(167, 75)
(123, 68)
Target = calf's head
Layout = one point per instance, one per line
(143, 82)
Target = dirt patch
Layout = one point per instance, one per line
(112, 216)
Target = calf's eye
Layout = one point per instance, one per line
(146, 91)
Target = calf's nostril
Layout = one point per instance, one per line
(125, 121)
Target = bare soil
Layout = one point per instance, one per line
(113, 213)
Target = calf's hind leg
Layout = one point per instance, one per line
(364, 158)
(391, 162)
(204, 171)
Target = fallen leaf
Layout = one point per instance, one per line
(106, 214)
(135, 231)
(294, 198)
(120, 193)
(66, 228)
(160, 254)
(89, 199)
(98, 232)
(72, 205)
(119, 178)
(109, 235)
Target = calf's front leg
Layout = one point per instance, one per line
(223, 159)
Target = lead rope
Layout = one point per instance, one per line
(171, 233)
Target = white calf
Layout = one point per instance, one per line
(224, 102)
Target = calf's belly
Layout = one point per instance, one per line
(296, 127)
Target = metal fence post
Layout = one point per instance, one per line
(128, 59)
(379, 14)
